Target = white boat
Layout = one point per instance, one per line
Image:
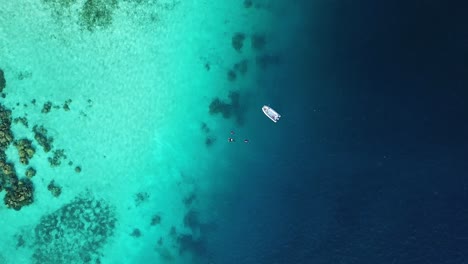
(272, 114)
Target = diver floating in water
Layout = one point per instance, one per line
(230, 139)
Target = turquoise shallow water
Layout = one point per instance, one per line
(135, 151)
(123, 109)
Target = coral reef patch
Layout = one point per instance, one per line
(6, 135)
(265, 60)
(57, 156)
(75, 233)
(22, 120)
(237, 41)
(228, 109)
(40, 134)
(46, 107)
(2, 80)
(54, 189)
(19, 194)
(136, 233)
(155, 220)
(258, 41)
(25, 150)
(241, 67)
(141, 197)
(97, 14)
(30, 172)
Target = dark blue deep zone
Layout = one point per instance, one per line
(371, 165)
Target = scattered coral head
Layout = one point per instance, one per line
(19, 195)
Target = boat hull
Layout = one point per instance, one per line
(271, 113)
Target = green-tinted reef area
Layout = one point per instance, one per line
(19, 189)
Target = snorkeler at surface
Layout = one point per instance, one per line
(233, 140)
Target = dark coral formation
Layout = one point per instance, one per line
(189, 243)
(30, 172)
(23, 120)
(189, 199)
(6, 135)
(205, 128)
(77, 169)
(228, 109)
(155, 220)
(66, 105)
(136, 233)
(231, 75)
(237, 41)
(24, 75)
(196, 242)
(141, 197)
(97, 14)
(258, 41)
(60, 3)
(209, 141)
(8, 178)
(46, 108)
(241, 67)
(40, 134)
(265, 60)
(54, 189)
(25, 150)
(19, 195)
(2, 81)
(248, 3)
(218, 106)
(75, 233)
(20, 241)
(57, 156)
(191, 220)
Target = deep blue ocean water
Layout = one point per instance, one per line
(370, 164)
